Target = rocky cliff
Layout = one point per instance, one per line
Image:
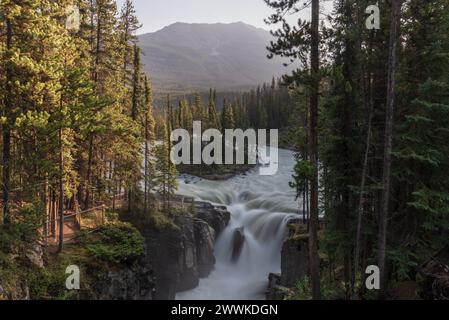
(132, 282)
(294, 264)
(174, 259)
(181, 256)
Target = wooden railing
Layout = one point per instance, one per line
(90, 220)
(75, 220)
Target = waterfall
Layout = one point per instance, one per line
(250, 247)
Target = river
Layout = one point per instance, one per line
(262, 205)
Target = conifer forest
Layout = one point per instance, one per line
(93, 205)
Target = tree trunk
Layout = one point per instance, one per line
(7, 131)
(61, 193)
(130, 195)
(361, 198)
(145, 205)
(386, 180)
(313, 154)
(89, 172)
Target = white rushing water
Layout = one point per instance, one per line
(262, 205)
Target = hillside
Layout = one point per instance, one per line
(183, 57)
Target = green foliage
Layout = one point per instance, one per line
(154, 219)
(115, 243)
(329, 290)
(404, 263)
(303, 172)
(16, 270)
(227, 117)
(21, 233)
(303, 290)
(48, 283)
(352, 115)
(167, 172)
(160, 221)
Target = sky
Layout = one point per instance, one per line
(156, 14)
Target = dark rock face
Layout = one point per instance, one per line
(180, 257)
(294, 261)
(275, 290)
(216, 216)
(204, 237)
(238, 240)
(134, 282)
(294, 266)
(435, 274)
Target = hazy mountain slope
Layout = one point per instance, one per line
(196, 56)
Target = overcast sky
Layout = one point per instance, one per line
(156, 14)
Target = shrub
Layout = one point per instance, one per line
(21, 233)
(116, 243)
(48, 283)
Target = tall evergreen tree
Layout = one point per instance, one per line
(212, 112)
(166, 169)
(149, 136)
(128, 26)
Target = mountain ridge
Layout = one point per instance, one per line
(196, 56)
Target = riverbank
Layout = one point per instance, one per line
(215, 172)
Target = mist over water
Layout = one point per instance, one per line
(262, 205)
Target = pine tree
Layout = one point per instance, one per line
(227, 117)
(128, 26)
(185, 117)
(293, 44)
(197, 107)
(171, 113)
(212, 121)
(136, 85)
(388, 140)
(66, 118)
(7, 117)
(149, 135)
(105, 76)
(135, 116)
(166, 169)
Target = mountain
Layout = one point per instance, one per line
(184, 57)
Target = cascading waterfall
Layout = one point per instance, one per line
(250, 247)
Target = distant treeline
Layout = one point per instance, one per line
(267, 106)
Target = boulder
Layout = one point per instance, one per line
(275, 290)
(35, 255)
(238, 241)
